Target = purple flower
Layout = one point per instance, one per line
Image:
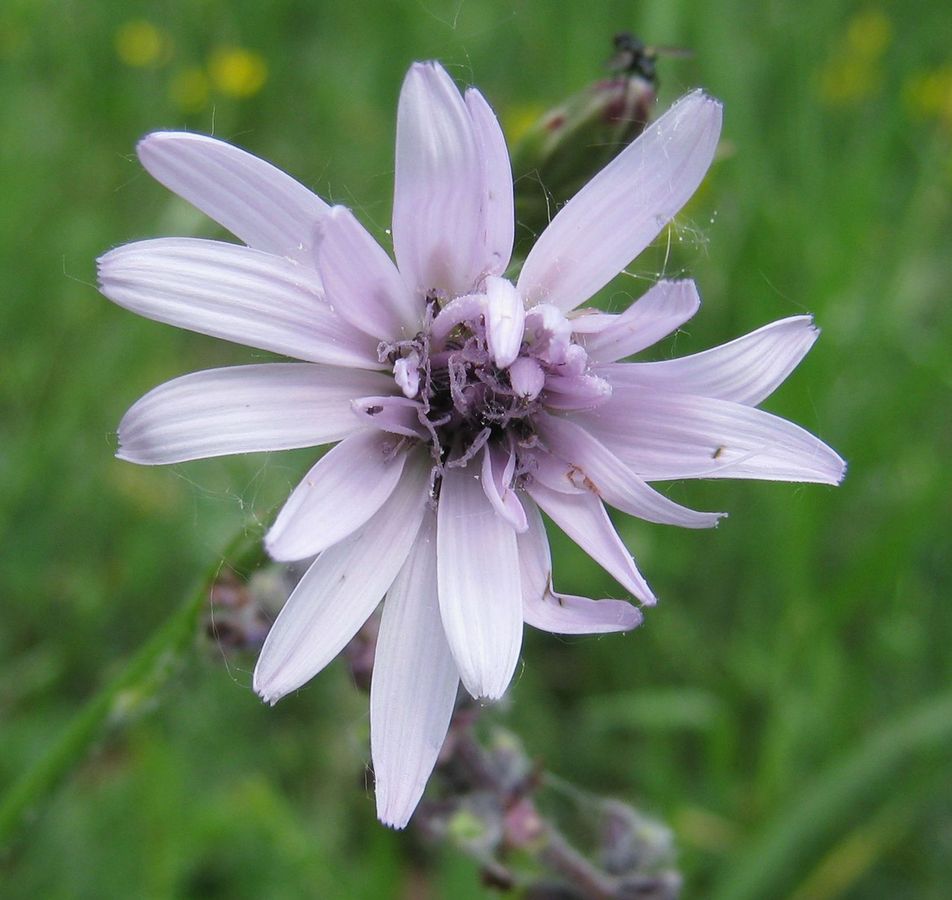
(463, 402)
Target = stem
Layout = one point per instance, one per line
(113, 705)
(560, 856)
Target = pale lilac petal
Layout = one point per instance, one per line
(261, 205)
(438, 186)
(548, 610)
(664, 308)
(496, 220)
(234, 293)
(746, 370)
(583, 518)
(621, 210)
(480, 594)
(361, 282)
(414, 684)
(593, 466)
(505, 320)
(526, 377)
(340, 493)
(458, 310)
(569, 614)
(243, 409)
(664, 436)
(341, 589)
(406, 373)
(571, 392)
(574, 362)
(398, 415)
(499, 466)
(549, 333)
(551, 472)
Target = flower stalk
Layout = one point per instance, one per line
(121, 700)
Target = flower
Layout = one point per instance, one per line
(463, 403)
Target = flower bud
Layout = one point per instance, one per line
(564, 148)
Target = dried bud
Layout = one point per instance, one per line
(241, 611)
(631, 842)
(574, 140)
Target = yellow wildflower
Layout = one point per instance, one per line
(237, 72)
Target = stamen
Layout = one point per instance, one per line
(477, 377)
(406, 372)
(471, 450)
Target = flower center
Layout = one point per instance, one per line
(480, 369)
(464, 397)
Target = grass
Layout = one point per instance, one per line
(786, 706)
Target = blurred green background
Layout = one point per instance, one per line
(787, 707)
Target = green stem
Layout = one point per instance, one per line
(141, 678)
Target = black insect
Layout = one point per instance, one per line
(634, 57)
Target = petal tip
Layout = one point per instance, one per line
(629, 618)
(391, 813)
(649, 599)
(269, 542)
(481, 689)
(700, 99)
(706, 113)
(155, 142)
(281, 541)
(832, 469)
(395, 824)
(637, 618)
(102, 266)
(264, 691)
(841, 474)
(280, 552)
(149, 140)
(427, 68)
(283, 549)
(710, 104)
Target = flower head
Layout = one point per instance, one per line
(463, 402)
